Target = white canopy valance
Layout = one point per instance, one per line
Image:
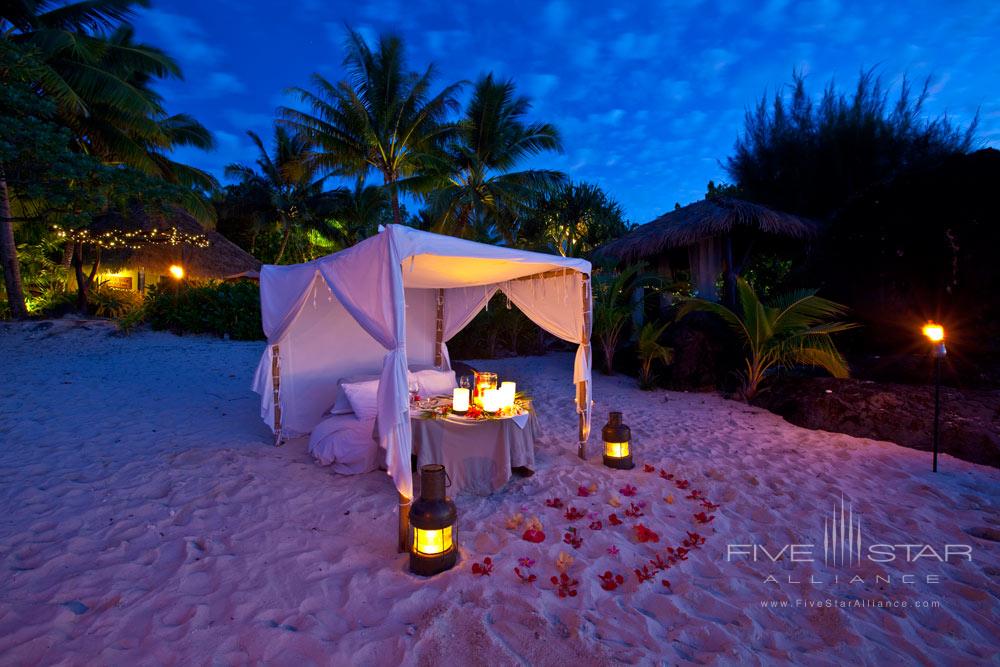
(377, 302)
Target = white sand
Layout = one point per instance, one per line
(145, 518)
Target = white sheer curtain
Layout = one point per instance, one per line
(461, 304)
(556, 304)
(372, 292)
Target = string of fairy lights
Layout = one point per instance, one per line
(117, 239)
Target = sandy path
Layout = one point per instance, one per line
(145, 518)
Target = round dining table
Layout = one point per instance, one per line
(478, 454)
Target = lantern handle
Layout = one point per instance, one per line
(447, 479)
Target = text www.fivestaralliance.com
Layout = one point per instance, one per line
(827, 603)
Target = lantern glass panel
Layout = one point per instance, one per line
(616, 450)
(432, 542)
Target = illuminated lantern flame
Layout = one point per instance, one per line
(934, 332)
(176, 271)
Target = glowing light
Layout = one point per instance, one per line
(616, 450)
(176, 271)
(934, 332)
(507, 392)
(491, 400)
(460, 399)
(432, 542)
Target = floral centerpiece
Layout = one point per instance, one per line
(520, 406)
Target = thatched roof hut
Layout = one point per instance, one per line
(705, 230)
(701, 220)
(218, 259)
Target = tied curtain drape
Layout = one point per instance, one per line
(368, 282)
(461, 304)
(558, 305)
(555, 303)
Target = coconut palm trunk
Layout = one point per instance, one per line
(8, 255)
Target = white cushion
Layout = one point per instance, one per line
(435, 383)
(342, 406)
(363, 397)
(346, 443)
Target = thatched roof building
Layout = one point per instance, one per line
(701, 220)
(704, 231)
(146, 264)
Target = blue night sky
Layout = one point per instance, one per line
(649, 97)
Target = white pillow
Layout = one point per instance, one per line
(363, 397)
(435, 383)
(341, 406)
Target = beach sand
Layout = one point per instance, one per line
(146, 518)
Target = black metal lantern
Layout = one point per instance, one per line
(616, 437)
(433, 519)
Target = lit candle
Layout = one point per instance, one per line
(507, 391)
(460, 399)
(491, 400)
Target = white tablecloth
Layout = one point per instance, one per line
(477, 454)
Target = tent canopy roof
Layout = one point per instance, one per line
(433, 261)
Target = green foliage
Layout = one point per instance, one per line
(101, 80)
(789, 330)
(613, 305)
(383, 119)
(650, 350)
(812, 158)
(498, 330)
(114, 303)
(767, 273)
(282, 194)
(212, 308)
(476, 192)
(573, 220)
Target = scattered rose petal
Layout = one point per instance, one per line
(531, 535)
(563, 561)
(483, 569)
(611, 581)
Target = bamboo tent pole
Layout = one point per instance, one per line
(439, 330)
(581, 387)
(276, 393)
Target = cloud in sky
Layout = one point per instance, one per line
(649, 97)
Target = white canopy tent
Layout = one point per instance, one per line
(396, 299)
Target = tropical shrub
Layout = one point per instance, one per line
(221, 309)
(613, 306)
(650, 350)
(497, 331)
(794, 329)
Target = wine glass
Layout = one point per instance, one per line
(414, 389)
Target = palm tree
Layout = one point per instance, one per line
(383, 119)
(789, 330)
(479, 192)
(100, 79)
(358, 212)
(291, 181)
(577, 218)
